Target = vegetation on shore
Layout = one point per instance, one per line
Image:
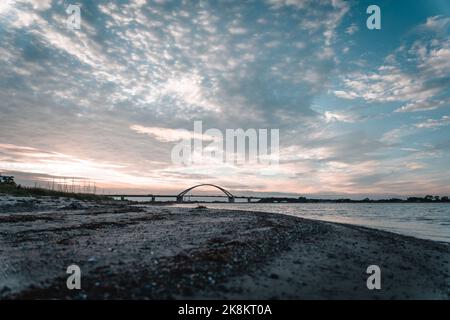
(426, 199)
(21, 191)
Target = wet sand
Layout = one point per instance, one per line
(128, 251)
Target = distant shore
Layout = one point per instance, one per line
(426, 199)
(26, 191)
(134, 251)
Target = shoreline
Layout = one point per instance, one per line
(134, 251)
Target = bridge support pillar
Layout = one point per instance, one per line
(153, 198)
(231, 199)
(122, 198)
(179, 199)
(249, 200)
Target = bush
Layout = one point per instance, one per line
(17, 190)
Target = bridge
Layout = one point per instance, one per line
(180, 197)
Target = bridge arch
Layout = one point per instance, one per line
(226, 192)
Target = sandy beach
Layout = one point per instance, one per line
(135, 251)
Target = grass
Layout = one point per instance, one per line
(17, 190)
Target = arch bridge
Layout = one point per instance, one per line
(227, 193)
(179, 197)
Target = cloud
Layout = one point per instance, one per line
(190, 90)
(112, 98)
(237, 30)
(434, 123)
(178, 67)
(163, 134)
(171, 135)
(345, 94)
(423, 105)
(322, 19)
(339, 116)
(40, 5)
(353, 28)
(32, 160)
(436, 23)
(300, 4)
(387, 84)
(420, 86)
(395, 136)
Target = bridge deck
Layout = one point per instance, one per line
(174, 196)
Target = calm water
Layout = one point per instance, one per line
(422, 220)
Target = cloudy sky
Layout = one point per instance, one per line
(360, 112)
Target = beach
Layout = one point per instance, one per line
(136, 251)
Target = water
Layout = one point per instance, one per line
(421, 220)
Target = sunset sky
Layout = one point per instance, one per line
(360, 112)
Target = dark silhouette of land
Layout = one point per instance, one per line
(428, 198)
(12, 188)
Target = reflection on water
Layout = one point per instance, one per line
(421, 220)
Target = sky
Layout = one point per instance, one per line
(360, 112)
